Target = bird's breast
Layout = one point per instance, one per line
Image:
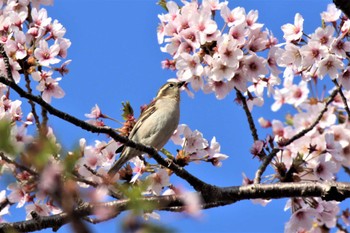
(157, 129)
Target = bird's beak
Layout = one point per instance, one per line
(180, 84)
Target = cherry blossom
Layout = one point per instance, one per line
(50, 88)
(324, 169)
(329, 65)
(17, 46)
(47, 55)
(344, 78)
(332, 14)
(324, 35)
(232, 17)
(18, 194)
(302, 219)
(293, 31)
(213, 153)
(158, 181)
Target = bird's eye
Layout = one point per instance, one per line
(171, 84)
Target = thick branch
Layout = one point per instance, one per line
(217, 197)
(343, 5)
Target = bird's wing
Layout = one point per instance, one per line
(151, 108)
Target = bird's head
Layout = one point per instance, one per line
(170, 90)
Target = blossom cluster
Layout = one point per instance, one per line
(34, 43)
(324, 150)
(195, 147)
(218, 60)
(221, 60)
(322, 53)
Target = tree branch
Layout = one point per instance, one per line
(251, 123)
(7, 62)
(17, 165)
(220, 197)
(345, 102)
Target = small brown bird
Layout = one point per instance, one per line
(155, 125)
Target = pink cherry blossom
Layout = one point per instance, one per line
(345, 27)
(213, 153)
(239, 33)
(194, 141)
(251, 20)
(324, 35)
(158, 181)
(188, 66)
(213, 4)
(138, 170)
(344, 78)
(327, 213)
(294, 31)
(229, 52)
(332, 14)
(47, 55)
(50, 178)
(17, 45)
(40, 19)
(301, 219)
(50, 88)
(220, 88)
(20, 137)
(297, 94)
(324, 169)
(218, 71)
(340, 47)
(95, 112)
(254, 101)
(176, 137)
(63, 44)
(36, 3)
(18, 194)
(56, 29)
(238, 81)
(254, 66)
(313, 52)
(329, 65)
(232, 17)
(290, 57)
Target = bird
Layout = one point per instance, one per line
(155, 125)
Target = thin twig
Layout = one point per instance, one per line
(17, 165)
(31, 103)
(251, 123)
(345, 102)
(99, 220)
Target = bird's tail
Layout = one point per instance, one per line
(117, 165)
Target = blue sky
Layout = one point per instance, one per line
(116, 58)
